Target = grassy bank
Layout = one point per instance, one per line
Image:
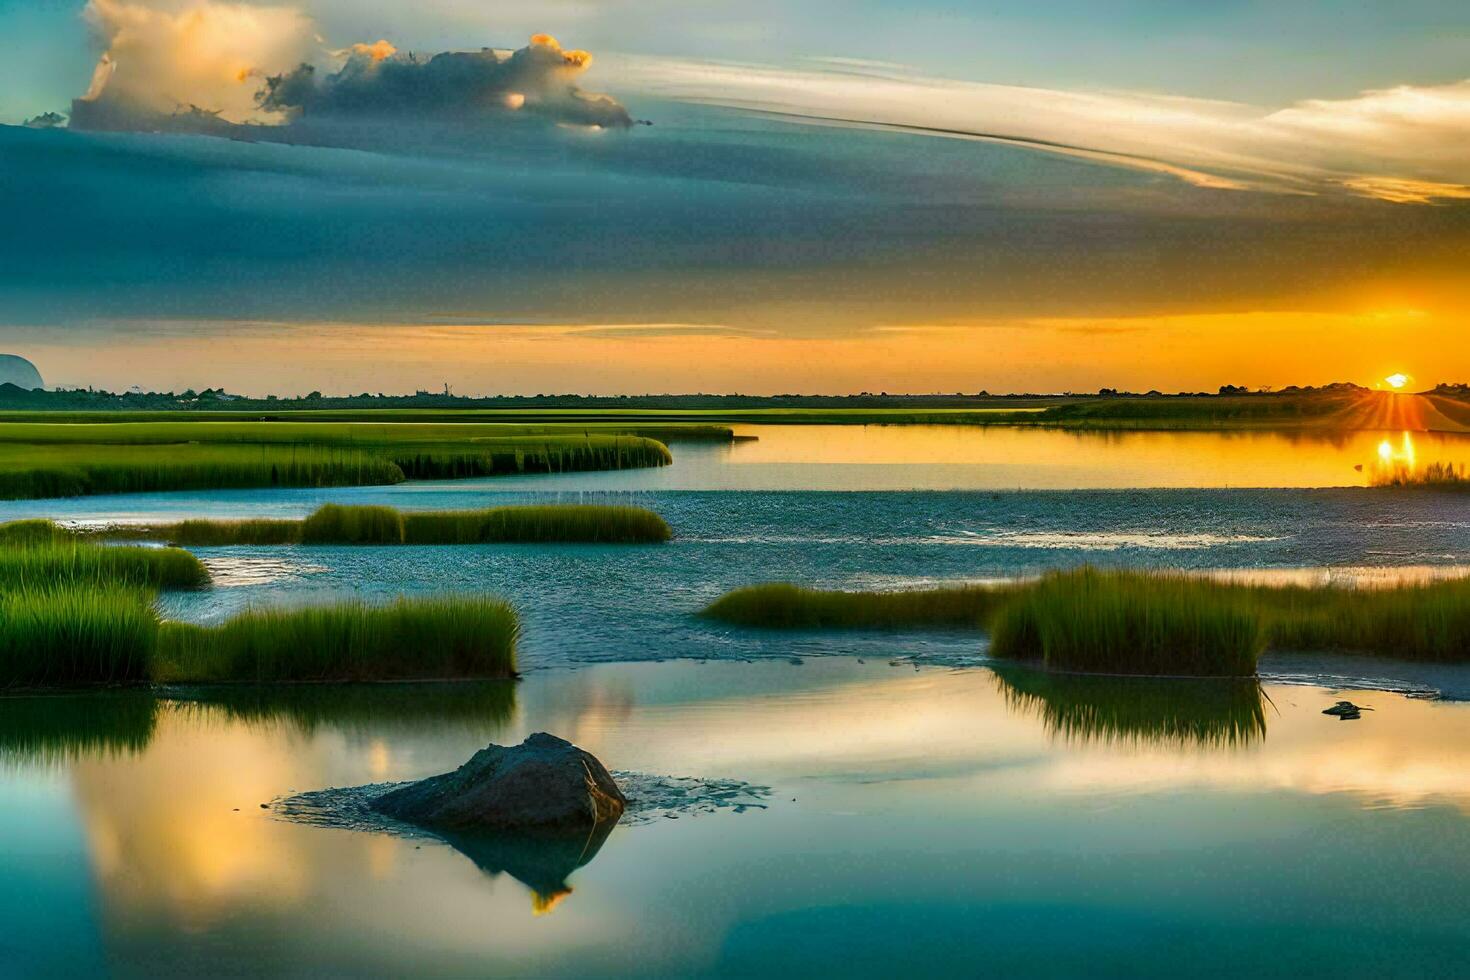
(106, 634)
(60, 460)
(1129, 623)
(29, 471)
(1141, 623)
(353, 430)
(1427, 622)
(338, 524)
(64, 562)
(77, 636)
(418, 639)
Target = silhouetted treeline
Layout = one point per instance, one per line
(217, 399)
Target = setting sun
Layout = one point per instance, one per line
(1396, 381)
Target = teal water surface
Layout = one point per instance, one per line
(937, 820)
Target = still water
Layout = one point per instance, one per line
(929, 819)
(927, 812)
(582, 604)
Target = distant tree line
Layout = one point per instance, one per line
(217, 399)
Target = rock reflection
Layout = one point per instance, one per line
(1212, 713)
(55, 730)
(541, 863)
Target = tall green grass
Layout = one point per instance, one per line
(65, 637)
(781, 605)
(200, 533)
(549, 454)
(543, 523)
(336, 524)
(1422, 622)
(411, 639)
(340, 524)
(1139, 622)
(366, 431)
(72, 470)
(34, 531)
(65, 564)
(209, 456)
(1130, 623)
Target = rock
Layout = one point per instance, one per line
(1346, 711)
(543, 784)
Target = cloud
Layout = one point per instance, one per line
(233, 69)
(46, 120)
(1404, 144)
(158, 59)
(377, 81)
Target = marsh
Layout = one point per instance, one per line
(918, 787)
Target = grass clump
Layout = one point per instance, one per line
(1142, 623)
(411, 639)
(207, 534)
(338, 524)
(1422, 622)
(78, 564)
(1130, 623)
(34, 531)
(530, 454)
(73, 470)
(547, 523)
(341, 524)
(39, 459)
(781, 605)
(65, 637)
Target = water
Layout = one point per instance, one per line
(891, 458)
(920, 820)
(583, 604)
(926, 813)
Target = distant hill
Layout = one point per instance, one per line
(19, 373)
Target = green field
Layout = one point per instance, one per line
(1340, 407)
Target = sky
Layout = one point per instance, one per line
(629, 197)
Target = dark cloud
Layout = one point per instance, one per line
(46, 120)
(244, 71)
(377, 81)
(722, 219)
